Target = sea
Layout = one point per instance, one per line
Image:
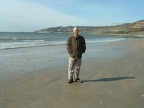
(15, 40)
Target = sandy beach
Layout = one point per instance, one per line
(112, 74)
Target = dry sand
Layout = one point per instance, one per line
(113, 78)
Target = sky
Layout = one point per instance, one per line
(32, 15)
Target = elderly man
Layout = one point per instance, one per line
(76, 46)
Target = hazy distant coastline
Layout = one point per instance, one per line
(129, 29)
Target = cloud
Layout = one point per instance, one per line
(25, 15)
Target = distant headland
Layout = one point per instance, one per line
(136, 28)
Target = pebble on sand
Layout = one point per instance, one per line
(101, 102)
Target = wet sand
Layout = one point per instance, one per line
(112, 74)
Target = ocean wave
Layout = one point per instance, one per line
(40, 43)
(33, 40)
(17, 45)
(105, 40)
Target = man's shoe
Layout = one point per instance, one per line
(77, 80)
(70, 81)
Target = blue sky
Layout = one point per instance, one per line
(31, 15)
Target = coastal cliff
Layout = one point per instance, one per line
(126, 28)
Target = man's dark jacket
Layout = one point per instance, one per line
(76, 46)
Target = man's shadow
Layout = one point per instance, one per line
(109, 79)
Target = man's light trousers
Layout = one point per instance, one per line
(74, 67)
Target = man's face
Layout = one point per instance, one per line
(75, 31)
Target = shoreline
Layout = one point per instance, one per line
(112, 74)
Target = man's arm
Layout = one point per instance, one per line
(69, 45)
(84, 45)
